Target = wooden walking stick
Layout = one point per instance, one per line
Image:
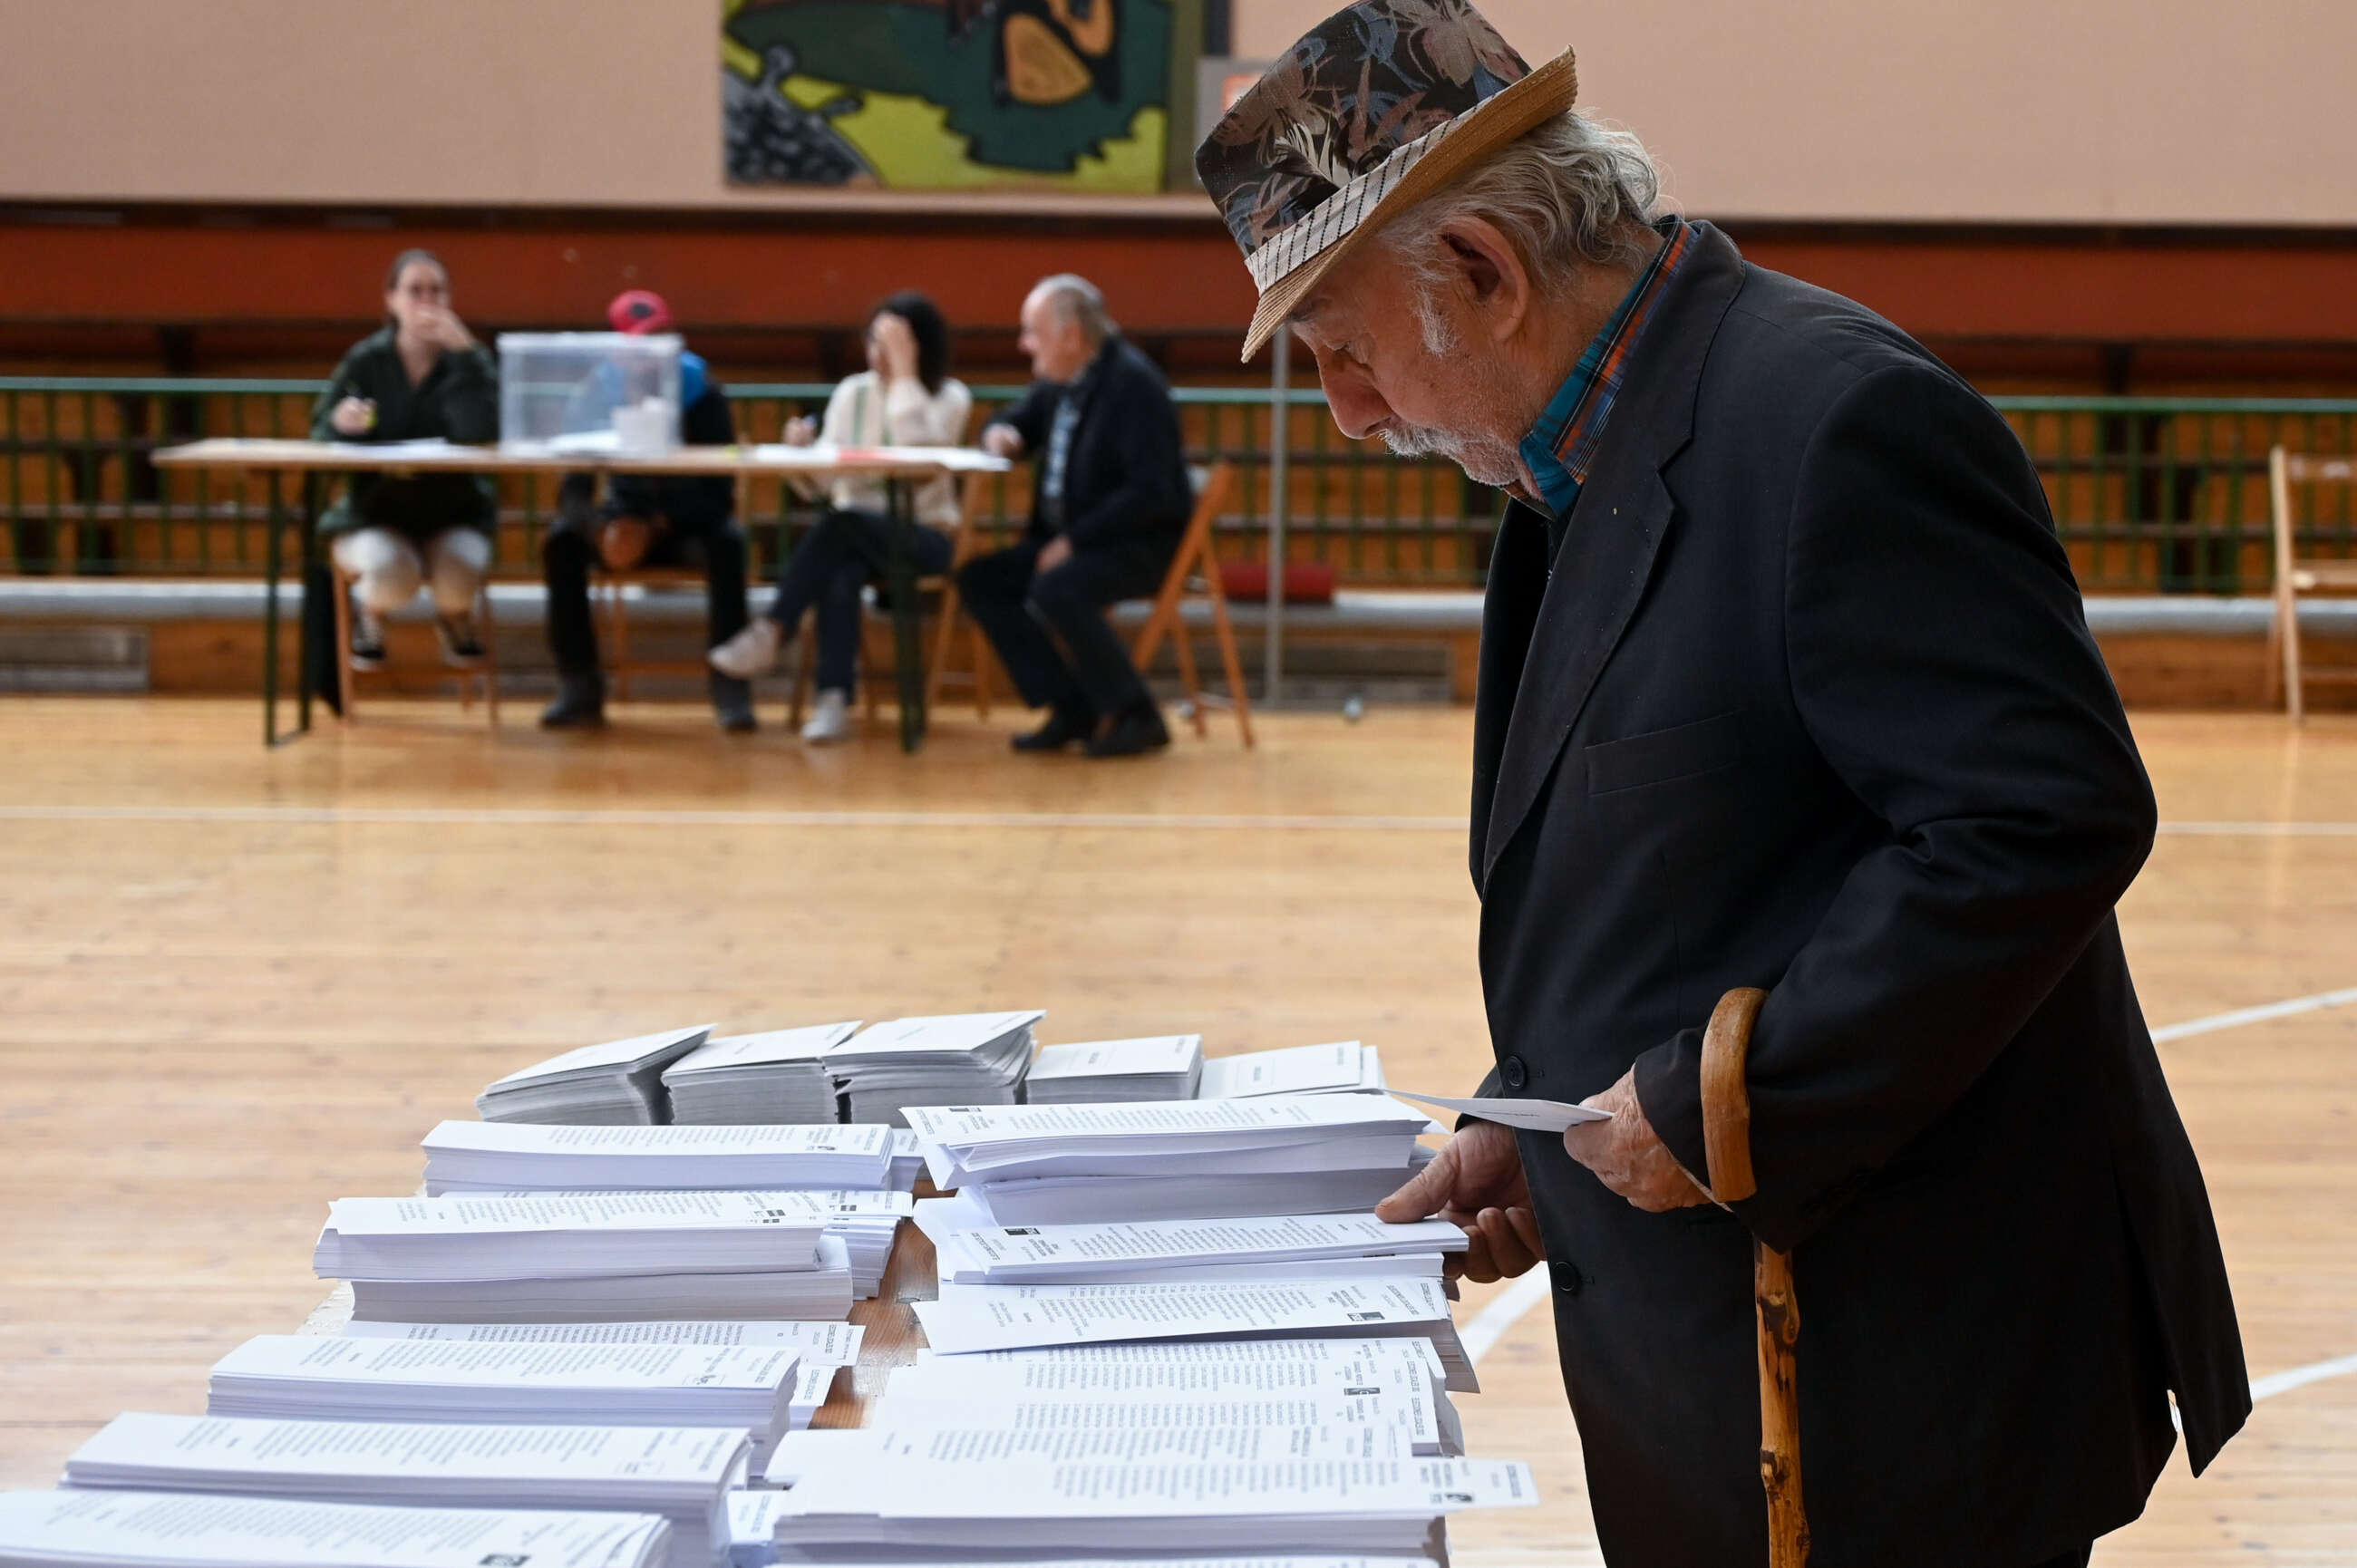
(1727, 1144)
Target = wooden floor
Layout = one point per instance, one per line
(236, 985)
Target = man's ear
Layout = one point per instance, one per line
(1496, 277)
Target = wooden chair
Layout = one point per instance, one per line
(2295, 575)
(877, 670)
(1197, 567)
(485, 670)
(609, 591)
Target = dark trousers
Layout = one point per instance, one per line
(1049, 628)
(836, 560)
(2077, 1559)
(570, 550)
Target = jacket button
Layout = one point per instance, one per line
(1514, 1072)
(1565, 1277)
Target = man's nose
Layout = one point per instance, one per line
(1358, 408)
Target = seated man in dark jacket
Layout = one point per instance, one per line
(1109, 500)
(679, 520)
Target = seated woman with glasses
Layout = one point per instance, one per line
(906, 397)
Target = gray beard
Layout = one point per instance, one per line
(1485, 459)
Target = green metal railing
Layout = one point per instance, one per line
(2148, 493)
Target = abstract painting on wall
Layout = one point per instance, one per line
(946, 94)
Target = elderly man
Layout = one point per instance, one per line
(1784, 684)
(1109, 505)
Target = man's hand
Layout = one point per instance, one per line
(353, 416)
(1628, 1156)
(1001, 441)
(1054, 553)
(1476, 1183)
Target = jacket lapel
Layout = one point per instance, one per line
(1607, 552)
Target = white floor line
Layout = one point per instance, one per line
(2301, 1377)
(1506, 1309)
(2241, 1016)
(464, 816)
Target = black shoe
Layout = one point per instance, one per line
(1064, 726)
(580, 704)
(732, 705)
(1134, 732)
(368, 642)
(461, 643)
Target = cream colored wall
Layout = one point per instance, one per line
(2129, 111)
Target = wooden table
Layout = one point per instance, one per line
(899, 467)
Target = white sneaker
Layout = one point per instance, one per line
(750, 653)
(830, 721)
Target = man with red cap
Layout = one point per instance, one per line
(678, 520)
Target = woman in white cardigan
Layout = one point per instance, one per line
(906, 397)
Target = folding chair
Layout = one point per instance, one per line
(1197, 567)
(608, 597)
(2295, 575)
(485, 670)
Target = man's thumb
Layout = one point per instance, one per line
(1425, 1194)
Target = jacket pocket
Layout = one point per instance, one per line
(1683, 751)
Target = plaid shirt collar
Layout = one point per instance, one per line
(1562, 446)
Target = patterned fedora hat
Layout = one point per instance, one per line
(1374, 110)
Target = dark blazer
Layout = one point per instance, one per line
(457, 400)
(1806, 700)
(1126, 476)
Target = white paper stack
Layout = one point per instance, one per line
(1023, 1317)
(683, 1473)
(623, 1255)
(1165, 1067)
(753, 1543)
(908, 1161)
(820, 1343)
(1295, 1246)
(174, 1529)
(1280, 1136)
(1344, 1067)
(1207, 1194)
(865, 1223)
(745, 1080)
(496, 1156)
(1120, 1384)
(618, 1084)
(916, 1493)
(299, 1378)
(957, 1058)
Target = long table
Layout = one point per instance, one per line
(899, 467)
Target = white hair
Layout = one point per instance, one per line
(1075, 298)
(1572, 192)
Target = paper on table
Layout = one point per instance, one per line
(1079, 1252)
(826, 1344)
(1530, 1115)
(1013, 1317)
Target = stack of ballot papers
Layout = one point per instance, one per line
(914, 1493)
(618, 1084)
(865, 1223)
(1166, 1067)
(544, 1256)
(683, 1473)
(300, 1377)
(958, 1058)
(825, 1348)
(1175, 1251)
(908, 1161)
(747, 1079)
(1345, 1067)
(1026, 1317)
(175, 1530)
(496, 1156)
(1342, 1383)
(1207, 1194)
(1191, 1138)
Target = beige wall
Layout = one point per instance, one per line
(2128, 111)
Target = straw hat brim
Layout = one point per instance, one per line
(1545, 93)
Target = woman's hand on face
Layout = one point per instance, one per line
(895, 357)
(801, 430)
(353, 416)
(440, 325)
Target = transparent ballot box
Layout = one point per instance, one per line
(588, 391)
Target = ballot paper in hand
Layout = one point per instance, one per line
(682, 1473)
(1530, 1115)
(166, 1530)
